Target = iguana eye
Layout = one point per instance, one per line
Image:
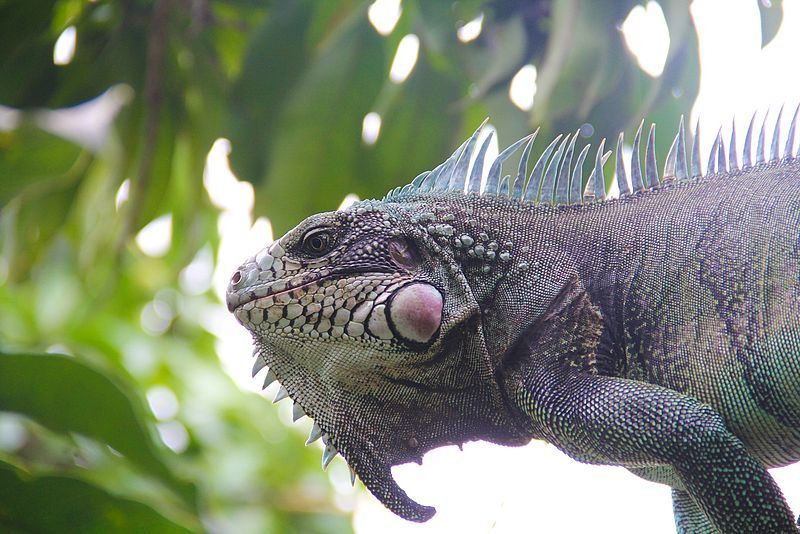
(317, 242)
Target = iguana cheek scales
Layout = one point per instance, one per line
(659, 331)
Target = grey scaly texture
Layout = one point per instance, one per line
(659, 331)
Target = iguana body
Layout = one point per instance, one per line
(659, 331)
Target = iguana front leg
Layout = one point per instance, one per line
(609, 420)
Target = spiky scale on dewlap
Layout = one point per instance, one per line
(659, 331)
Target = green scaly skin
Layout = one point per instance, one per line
(659, 332)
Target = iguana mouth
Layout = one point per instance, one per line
(283, 286)
(270, 291)
(274, 289)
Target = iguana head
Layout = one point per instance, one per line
(369, 325)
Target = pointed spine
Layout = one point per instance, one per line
(259, 364)
(596, 186)
(669, 165)
(562, 182)
(516, 190)
(675, 166)
(622, 177)
(774, 150)
(443, 181)
(747, 149)
(576, 185)
(696, 169)
(733, 163)
(788, 152)
(636, 164)
(430, 179)
(328, 455)
(477, 166)
(522, 169)
(269, 379)
(436, 176)
(505, 189)
(680, 159)
(534, 182)
(711, 168)
(280, 395)
(761, 141)
(721, 159)
(650, 163)
(548, 187)
(417, 182)
(297, 412)
(459, 175)
(315, 434)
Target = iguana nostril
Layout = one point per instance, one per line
(237, 277)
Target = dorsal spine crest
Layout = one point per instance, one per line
(555, 180)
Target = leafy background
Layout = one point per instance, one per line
(116, 412)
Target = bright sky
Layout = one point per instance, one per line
(488, 488)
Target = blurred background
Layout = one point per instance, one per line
(147, 147)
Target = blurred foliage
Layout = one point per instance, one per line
(151, 85)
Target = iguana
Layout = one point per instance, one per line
(659, 331)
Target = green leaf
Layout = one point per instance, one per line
(34, 160)
(27, 73)
(315, 157)
(67, 395)
(55, 503)
(504, 56)
(276, 58)
(33, 225)
(415, 131)
(586, 68)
